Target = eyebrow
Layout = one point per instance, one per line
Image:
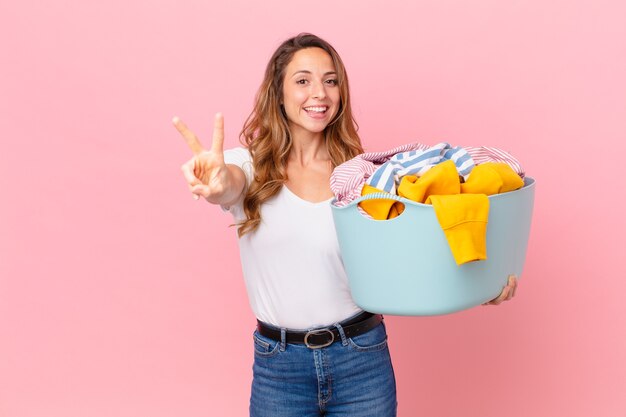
(309, 72)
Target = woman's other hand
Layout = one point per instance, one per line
(206, 173)
(507, 293)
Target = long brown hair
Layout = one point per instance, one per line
(266, 131)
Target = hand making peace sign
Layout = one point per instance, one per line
(206, 173)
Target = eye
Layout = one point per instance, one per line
(301, 81)
(333, 81)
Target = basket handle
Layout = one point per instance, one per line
(379, 196)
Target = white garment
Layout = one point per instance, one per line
(292, 264)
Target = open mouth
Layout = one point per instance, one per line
(316, 111)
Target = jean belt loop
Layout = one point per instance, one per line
(283, 339)
(344, 340)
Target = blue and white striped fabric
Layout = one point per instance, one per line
(417, 162)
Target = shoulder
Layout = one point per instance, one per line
(240, 157)
(237, 156)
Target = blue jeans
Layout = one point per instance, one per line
(352, 377)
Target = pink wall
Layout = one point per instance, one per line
(121, 296)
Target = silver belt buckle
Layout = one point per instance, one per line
(318, 331)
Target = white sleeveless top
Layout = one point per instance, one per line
(292, 265)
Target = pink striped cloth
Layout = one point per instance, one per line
(347, 180)
(482, 154)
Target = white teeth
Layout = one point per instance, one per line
(316, 109)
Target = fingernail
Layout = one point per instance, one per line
(196, 196)
(175, 119)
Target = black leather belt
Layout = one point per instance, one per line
(325, 336)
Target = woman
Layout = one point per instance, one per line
(315, 351)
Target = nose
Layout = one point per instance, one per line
(319, 90)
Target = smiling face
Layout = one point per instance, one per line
(311, 96)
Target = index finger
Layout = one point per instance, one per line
(191, 139)
(218, 134)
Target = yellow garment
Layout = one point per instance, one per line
(380, 209)
(442, 179)
(463, 218)
(492, 178)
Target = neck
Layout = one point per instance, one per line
(307, 147)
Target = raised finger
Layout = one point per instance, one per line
(218, 134)
(191, 139)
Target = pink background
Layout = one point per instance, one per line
(122, 296)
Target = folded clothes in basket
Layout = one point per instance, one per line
(348, 179)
